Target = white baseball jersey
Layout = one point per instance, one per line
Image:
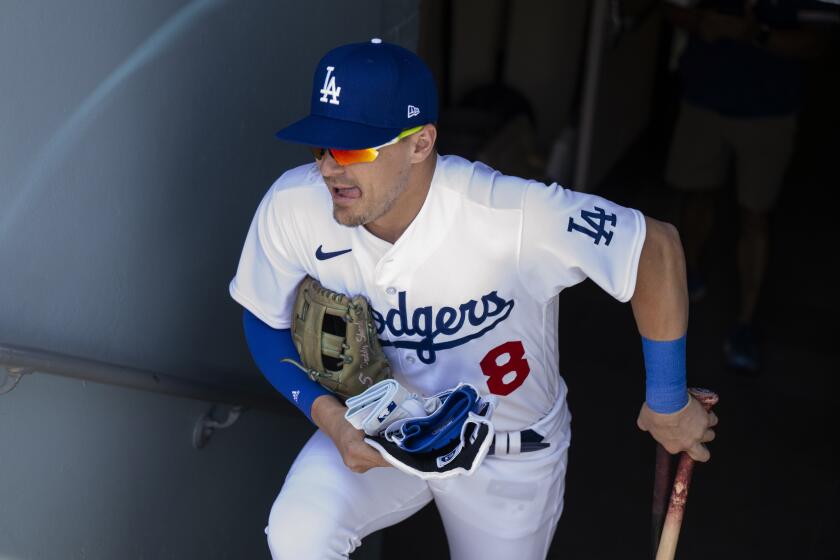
(467, 293)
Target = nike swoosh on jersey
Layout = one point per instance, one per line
(322, 256)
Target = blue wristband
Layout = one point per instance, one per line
(665, 385)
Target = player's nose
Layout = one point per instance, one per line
(329, 167)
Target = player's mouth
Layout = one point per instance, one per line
(345, 194)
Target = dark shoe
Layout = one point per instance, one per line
(696, 286)
(742, 350)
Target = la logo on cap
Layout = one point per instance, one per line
(329, 88)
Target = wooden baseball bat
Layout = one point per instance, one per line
(679, 494)
(661, 485)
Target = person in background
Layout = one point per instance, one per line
(742, 88)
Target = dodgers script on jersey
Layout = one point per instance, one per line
(468, 293)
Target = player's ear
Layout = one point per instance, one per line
(423, 143)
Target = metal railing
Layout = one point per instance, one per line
(19, 361)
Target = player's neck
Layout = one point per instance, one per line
(393, 224)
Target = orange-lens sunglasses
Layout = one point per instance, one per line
(366, 155)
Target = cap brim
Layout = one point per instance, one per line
(316, 130)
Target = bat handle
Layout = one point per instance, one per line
(679, 494)
(661, 483)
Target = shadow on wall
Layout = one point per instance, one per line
(142, 143)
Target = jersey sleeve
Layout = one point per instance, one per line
(268, 273)
(568, 236)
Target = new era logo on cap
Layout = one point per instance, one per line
(413, 111)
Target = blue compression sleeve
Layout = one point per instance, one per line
(268, 346)
(665, 384)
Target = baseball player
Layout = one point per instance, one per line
(462, 267)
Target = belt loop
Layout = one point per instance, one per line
(514, 442)
(498, 448)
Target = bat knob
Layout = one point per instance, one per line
(706, 397)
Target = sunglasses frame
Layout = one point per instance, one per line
(371, 153)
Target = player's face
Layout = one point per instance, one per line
(366, 192)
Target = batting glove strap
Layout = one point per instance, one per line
(385, 403)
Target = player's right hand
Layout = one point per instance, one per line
(358, 456)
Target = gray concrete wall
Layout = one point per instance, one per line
(135, 143)
(91, 471)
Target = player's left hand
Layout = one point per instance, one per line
(685, 430)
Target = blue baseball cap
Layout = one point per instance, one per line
(364, 95)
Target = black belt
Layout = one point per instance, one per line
(529, 440)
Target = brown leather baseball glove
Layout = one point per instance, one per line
(336, 339)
